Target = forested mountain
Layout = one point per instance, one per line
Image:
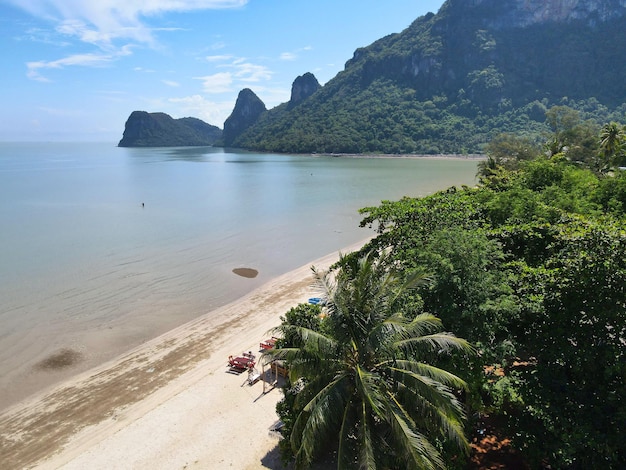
(144, 129)
(453, 80)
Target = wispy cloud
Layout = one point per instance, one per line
(103, 23)
(247, 72)
(112, 19)
(171, 83)
(209, 111)
(43, 36)
(219, 58)
(217, 83)
(293, 55)
(239, 72)
(62, 112)
(86, 60)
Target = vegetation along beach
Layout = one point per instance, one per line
(233, 239)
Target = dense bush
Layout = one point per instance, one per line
(530, 267)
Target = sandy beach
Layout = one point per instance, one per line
(170, 403)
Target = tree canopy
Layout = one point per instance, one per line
(530, 268)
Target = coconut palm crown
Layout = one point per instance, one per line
(361, 383)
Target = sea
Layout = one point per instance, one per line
(103, 248)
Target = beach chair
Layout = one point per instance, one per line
(268, 343)
(253, 376)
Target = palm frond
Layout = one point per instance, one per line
(429, 391)
(412, 281)
(367, 455)
(370, 387)
(454, 430)
(393, 325)
(423, 324)
(434, 404)
(288, 354)
(318, 418)
(346, 453)
(435, 373)
(415, 448)
(324, 284)
(444, 342)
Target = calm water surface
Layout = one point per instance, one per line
(103, 248)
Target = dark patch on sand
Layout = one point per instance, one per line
(246, 272)
(66, 357)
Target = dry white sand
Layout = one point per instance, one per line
(168, 404)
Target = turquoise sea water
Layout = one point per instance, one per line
(103, 248)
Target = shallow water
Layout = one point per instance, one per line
(103, 248)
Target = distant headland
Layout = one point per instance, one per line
(145, 129)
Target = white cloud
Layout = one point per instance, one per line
(104, 20)
(103, 23)
(247, 72)
(171, 83)
(219, 58)
(91, 60)
(294, 55)
(239, 74)
(272, 96)
(141, 69)
(213, 112)
(43, 36)
(217, 83)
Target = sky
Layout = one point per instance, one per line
(74, 70)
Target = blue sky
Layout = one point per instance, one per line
(73, 70)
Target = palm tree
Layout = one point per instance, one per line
(611, 142)
(360, 379)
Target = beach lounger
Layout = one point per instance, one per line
(268, 343)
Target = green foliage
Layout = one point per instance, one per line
(364, 383)
(530, 267)
(303, 315)
(575, 394)
(611, 194)
(612, 146)
(508, 146)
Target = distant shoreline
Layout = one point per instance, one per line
(437, 156)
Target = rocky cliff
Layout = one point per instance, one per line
(453, 80)
(303, 87)
(523, 13)
(145, 129)
(248, 108)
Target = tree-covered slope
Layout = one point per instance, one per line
(452, 81)
(145, 129)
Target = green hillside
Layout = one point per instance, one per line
(452, 81)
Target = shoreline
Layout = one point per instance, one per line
(170, 402)
(437, 156)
